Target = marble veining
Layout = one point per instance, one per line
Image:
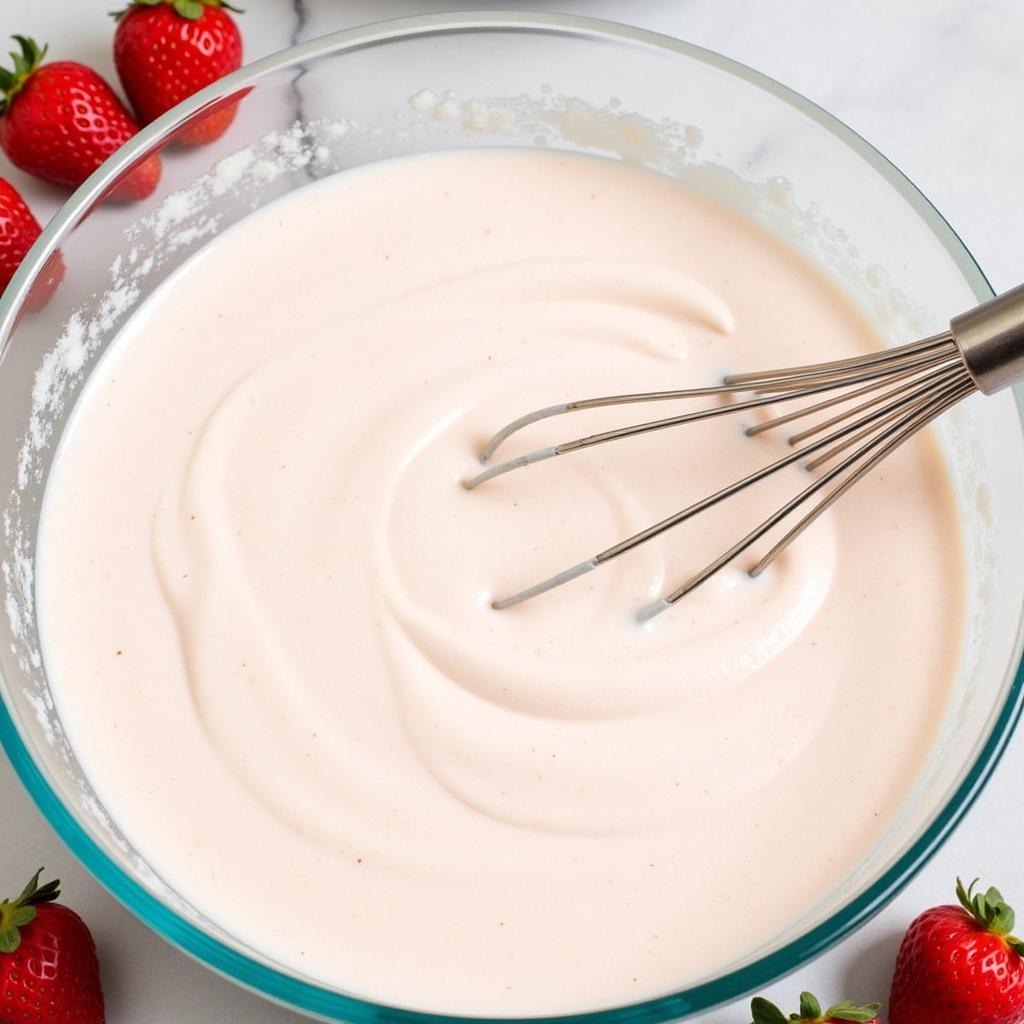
(300, 13)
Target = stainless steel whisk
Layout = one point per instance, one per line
(900, 391)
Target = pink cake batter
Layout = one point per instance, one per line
(266, 612)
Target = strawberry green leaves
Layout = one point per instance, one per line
(810, 1008)
(26, 59)
(852, 1012)
(15, 914)
(764, 1012)
(990, 912)
(190, 9)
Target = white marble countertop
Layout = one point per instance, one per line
(937, 87)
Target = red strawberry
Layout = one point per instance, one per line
(764, 1012)
(166, 50)
(61, 121)
(48, 966)
(960, 964)
(18, 230)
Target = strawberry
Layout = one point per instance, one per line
(764, 1012)
(166, 50)
(60, 121)
(18, 230)
(48, 966)
(960, 963)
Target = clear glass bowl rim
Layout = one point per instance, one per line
(320, 1002)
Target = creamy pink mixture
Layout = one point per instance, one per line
(266, 597)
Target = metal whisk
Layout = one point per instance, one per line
(869, 406)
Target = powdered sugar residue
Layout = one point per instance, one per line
(425, 99)
(231, 170)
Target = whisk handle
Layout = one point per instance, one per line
(991, 340)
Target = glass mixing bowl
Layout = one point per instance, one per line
(526, 80)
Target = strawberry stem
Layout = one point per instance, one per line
(190, 9)
(14, 915)
(764, 1012)
(990, 912)
(25, 62)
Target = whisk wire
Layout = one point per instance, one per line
(935, 384)
(906, 388)
(876, 371)
(823, 384)
(944, 372)
(923, 418)
(913, 400)
(888, 439)
(942, 340)
(829, 403)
